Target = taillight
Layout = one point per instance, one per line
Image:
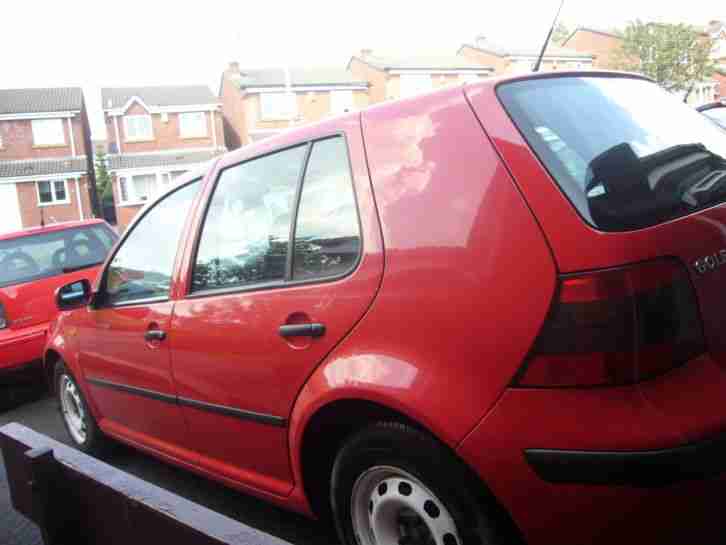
(3, 318)
(616, 326)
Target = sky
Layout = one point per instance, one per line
(97, 44)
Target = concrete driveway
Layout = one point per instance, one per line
(42, 416)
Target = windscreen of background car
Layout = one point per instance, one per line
(33, 257)
(717, 115)
(626, 153)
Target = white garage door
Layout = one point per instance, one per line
(9, 209)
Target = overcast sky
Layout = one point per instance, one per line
(153, 42)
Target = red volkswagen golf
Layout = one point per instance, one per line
(487, 314)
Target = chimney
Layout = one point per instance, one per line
(365, 53)
(480, 40)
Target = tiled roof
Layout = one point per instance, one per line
(275, 77)
(42, 167)
(423, 62)
(592, 30)
(161, 95)
(503, 51)
(161, 159)
(53, 99)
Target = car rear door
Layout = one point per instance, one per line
(124, 351)
(261, 311)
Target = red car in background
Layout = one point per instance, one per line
(34, 263)
(489, 314)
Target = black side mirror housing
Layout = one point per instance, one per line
(74, 295)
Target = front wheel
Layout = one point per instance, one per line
(77, 417)
(395, 485)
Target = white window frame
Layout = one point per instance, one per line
(202, 130)
(54, 196)
(284, 113)
(41, 139)
(342, 101)
(136, 138)
(410, 84)
(164, 180)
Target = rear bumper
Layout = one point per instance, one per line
(21, 349)
(647, 468)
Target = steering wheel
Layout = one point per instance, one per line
(27, 262)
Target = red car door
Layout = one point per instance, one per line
(260, 317)
(124, 353)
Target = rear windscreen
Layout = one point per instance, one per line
(33, 257)
(626, 153)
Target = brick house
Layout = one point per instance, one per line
(258, 103)
(514, 60)
(392, 78)
(46, 170)
(154, 135)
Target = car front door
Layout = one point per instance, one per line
(124, 352)
(279, 277)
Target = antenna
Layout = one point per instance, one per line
(547, 40)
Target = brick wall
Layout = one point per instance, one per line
(499, 64)
(166, 134)
(603, 46)
(377, 79)
(233, 113)
(17, 141)
(30, 211)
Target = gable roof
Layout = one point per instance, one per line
(592, 30)
(50, 99)
(421, 62)
(159, 95)
(300, 77)
(486, 46)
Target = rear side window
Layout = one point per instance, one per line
(33, 257)
(143, 264)
(625, 152)
(245, 240)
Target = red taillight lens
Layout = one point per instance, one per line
(617, 326)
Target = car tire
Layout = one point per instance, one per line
(394, 484)
(77, 418)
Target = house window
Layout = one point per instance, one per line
(341, 102)
(138, 127)
(48, 132)
(278, 105)
(414, 84)
(55, 192)
(192, 124)
(137, 188)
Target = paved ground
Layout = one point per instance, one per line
(41, 415)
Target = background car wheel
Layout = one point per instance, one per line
(395, 485)
(77, 418)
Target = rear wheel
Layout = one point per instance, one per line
(77, 418)
(395, 485)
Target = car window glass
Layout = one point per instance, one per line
(33, 257)
(142, 267)
(327, 238)
(245, 235)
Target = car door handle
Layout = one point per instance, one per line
(302, 330)
(155, 335)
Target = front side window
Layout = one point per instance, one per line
(624, 151)
(48, 132)
(192, 125)
(414, 84)
(244, 239)
(32, 257)
(327, 237)
(143, 265)
(54, 192)
(138, 127)
(281, 105)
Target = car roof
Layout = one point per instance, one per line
(61, 226)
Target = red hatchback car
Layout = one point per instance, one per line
(487, 314)
(33, 264)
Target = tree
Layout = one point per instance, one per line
(677, 57)
(560, 33)
(103, 179)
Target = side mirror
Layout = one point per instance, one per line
(74, 295)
